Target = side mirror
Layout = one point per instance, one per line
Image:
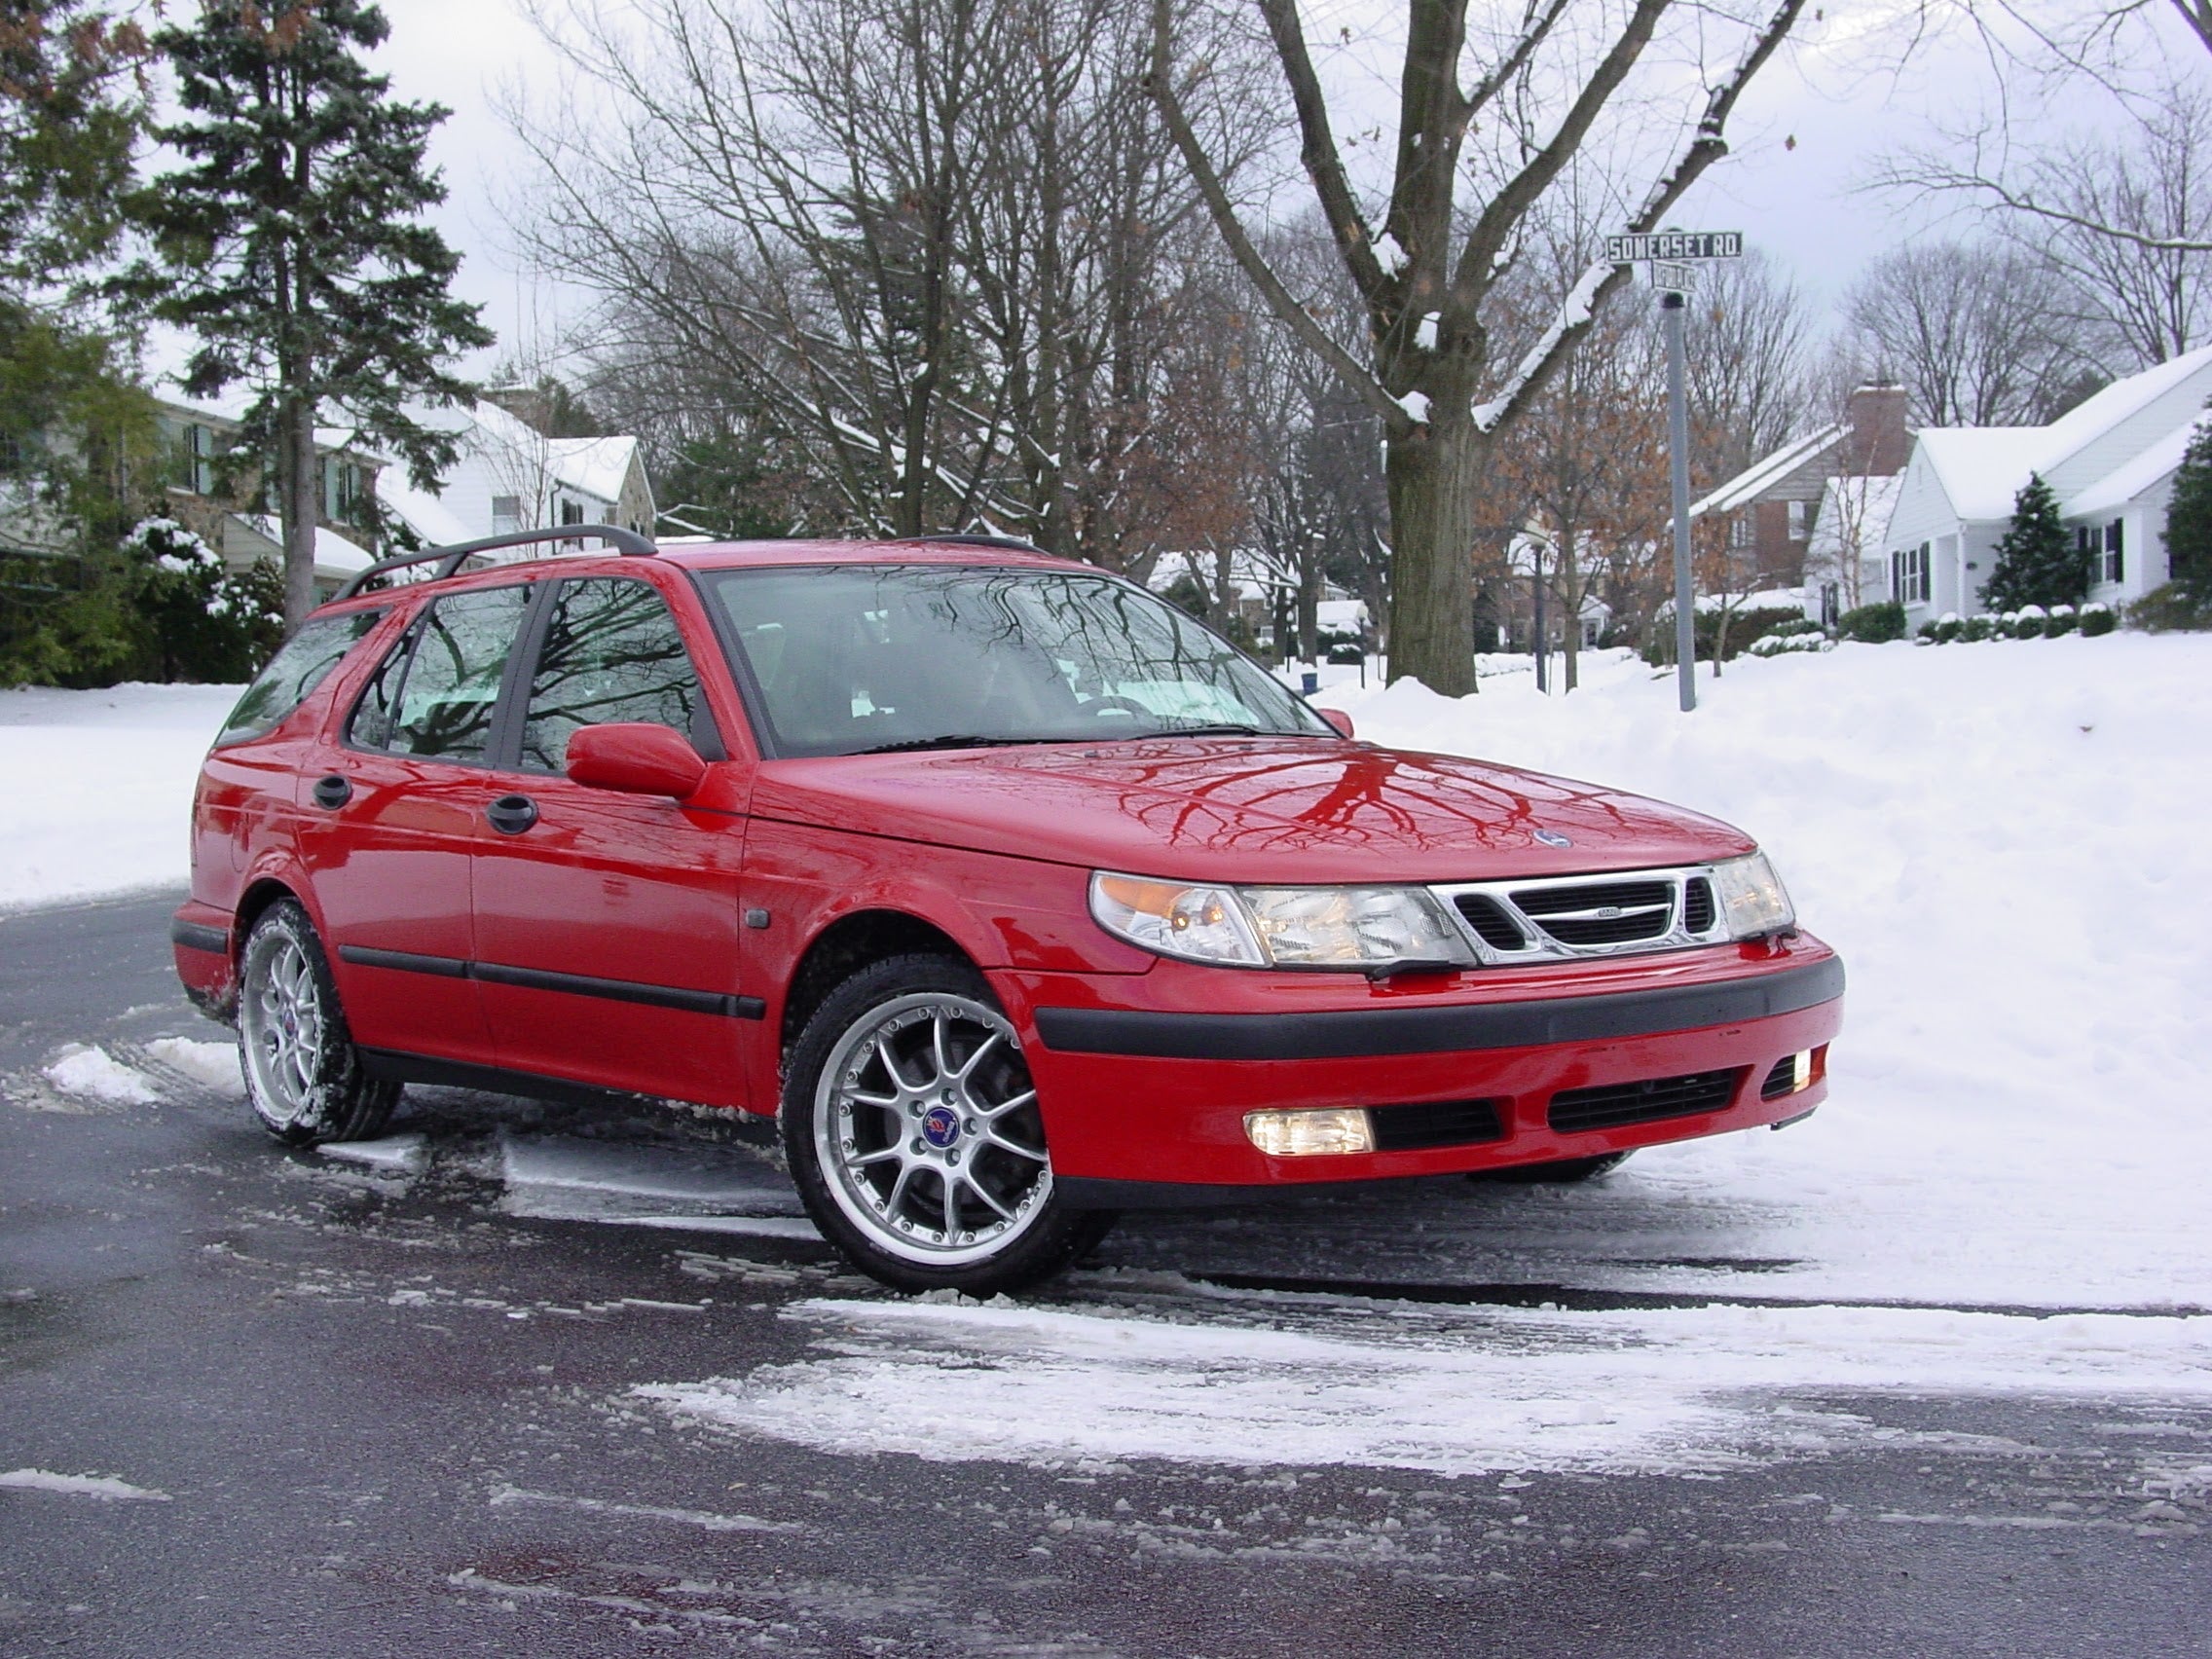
(635, 757)
(1337, 718)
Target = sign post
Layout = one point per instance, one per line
(1669, 253)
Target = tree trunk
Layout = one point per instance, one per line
(1571, 605)
(1432, 477)
(296, 471)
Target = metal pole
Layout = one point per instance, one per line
(1673, 304)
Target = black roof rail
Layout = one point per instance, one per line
(452, 557)
(962, 538)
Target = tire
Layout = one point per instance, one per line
(1561, 1172)
(303, 1075)
(912, 1131)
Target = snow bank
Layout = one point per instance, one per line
(99, 794)
(1697, 1389)
(2007, 847)
(97, 1075)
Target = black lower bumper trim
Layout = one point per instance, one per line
(1360, 1032)
(194, 936)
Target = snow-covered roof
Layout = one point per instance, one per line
(593, 466)
(2099, 414)
(334, 554)
(419, 511)
(1981, 468)
(2121, 486)
(1763, 474)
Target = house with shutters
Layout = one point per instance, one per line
(2110, 461)
(510, 475)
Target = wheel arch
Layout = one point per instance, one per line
(260, 892)
(848, 943)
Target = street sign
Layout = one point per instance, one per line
(1627, 249)
(1675, 278)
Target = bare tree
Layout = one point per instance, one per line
(1982, 334)
(930, 249)
(2125, 213)
(1559, 78)
(1748, 375)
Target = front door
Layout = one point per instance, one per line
(608, 935)
(387, 832)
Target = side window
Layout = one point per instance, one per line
(611, 652)
(301, 664)
(436, 693)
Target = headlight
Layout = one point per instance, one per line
(1752, 900)
(1290, 927)
(1349, 927)
(1203, 924)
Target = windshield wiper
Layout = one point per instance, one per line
(951, 740)
(1219, 728)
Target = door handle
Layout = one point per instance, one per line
(511, 815)
(332, 792)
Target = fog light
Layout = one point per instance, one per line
(1297, 1134)
(1800, 1069)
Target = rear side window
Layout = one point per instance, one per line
(436, 693)
(611, 652)
(301, 664)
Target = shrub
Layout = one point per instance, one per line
(2163, 611)
(2063, 619)
(1979, 628)
(1873, 624)
(2032, 624)
(2098, 619)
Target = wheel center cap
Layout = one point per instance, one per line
(940, 1127)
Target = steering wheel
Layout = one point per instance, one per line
(1118, 704)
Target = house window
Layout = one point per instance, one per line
(1831, 604)
(195, 457)
(1800, 520)
(572, 512)
(506, 514)
(1742, 532)
(2114, 566)
(340, 491)
(1909, 575)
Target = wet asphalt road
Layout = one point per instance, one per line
(394, 1421)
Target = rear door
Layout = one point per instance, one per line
(387, 832)
(609, 935)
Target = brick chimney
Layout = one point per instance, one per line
(1880, 443)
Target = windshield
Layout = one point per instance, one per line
(856, 658)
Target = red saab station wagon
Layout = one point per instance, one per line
(1018, 895)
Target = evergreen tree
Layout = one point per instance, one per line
(291, 245)
(73, 427)
(69, 119)
(2188, 521)
(2037, 562)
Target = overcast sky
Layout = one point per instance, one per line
(1801, 141)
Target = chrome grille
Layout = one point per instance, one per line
(1612, 913)
(1569, 917)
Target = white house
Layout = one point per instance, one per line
(2110, 461)
(510, 476)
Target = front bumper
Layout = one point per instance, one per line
(1138, 1087)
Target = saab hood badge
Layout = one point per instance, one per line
(1553, 838)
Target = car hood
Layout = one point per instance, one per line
(1289, 810)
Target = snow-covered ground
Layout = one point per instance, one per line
(2003, 1194)
(100, 787)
